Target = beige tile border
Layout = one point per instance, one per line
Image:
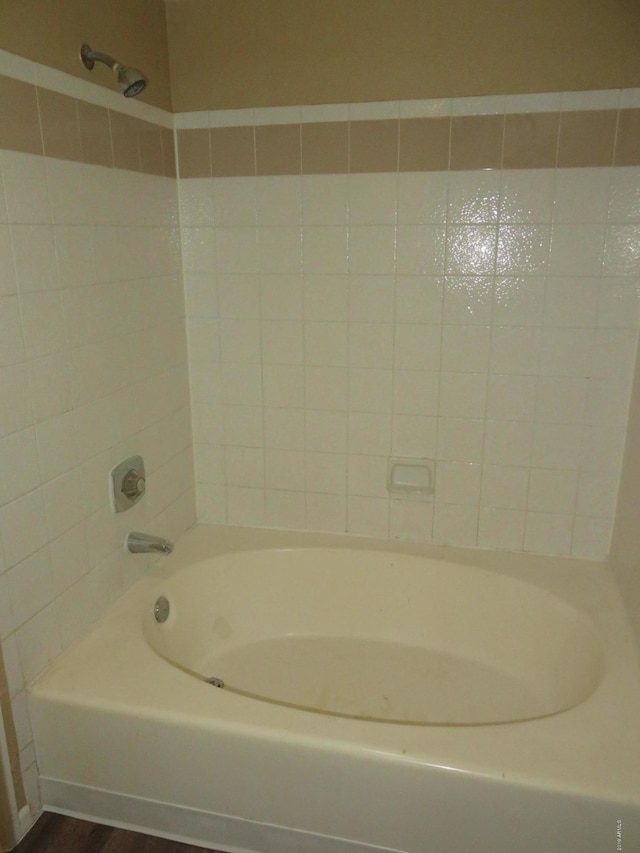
(528, 140)
(576, 130)
(37, 120)
(20, 132)
(628, 138)
(325, 148)
(278, 149)
(531, 140)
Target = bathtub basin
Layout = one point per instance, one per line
(505, 716)
(376, 636)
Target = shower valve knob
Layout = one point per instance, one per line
(133, 484)
(127, 483)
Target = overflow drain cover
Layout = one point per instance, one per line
(161, 609)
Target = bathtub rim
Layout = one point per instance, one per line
(603, 766)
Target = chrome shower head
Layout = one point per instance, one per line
(130, 80)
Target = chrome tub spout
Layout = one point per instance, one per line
(144, 543)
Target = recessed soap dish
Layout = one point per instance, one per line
(411, 478)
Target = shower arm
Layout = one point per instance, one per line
(90, 57)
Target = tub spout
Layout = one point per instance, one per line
(144, 543)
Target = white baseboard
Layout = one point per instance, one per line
(189, 826)
(25, 818)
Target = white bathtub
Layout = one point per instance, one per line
(375, 697)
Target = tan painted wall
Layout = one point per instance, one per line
(51, 32)
(274, 52)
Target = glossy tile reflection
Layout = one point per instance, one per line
(473, 317)
(474, 196)
(468, 299)
(523, 249)
(471, 250)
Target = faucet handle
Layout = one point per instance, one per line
(133, 484)
(127, 483)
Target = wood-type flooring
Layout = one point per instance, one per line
(54, 833)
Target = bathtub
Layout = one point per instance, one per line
(297, 693)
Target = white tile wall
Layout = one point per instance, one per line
(488, 320)
(93, 369)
